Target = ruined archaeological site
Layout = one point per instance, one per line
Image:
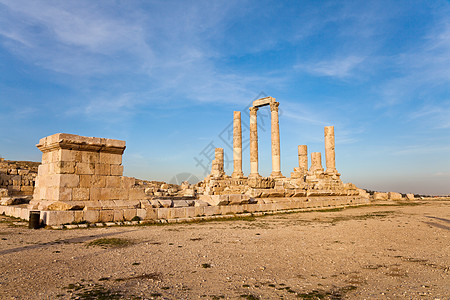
(73, 227)
(80, 180)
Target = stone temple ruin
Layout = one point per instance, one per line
(81, 180)
(313, 184)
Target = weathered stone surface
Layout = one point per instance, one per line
(275, 139)
(3, 192)
(395, 196)
(380, 196)
(165, 203)
(200, 203)
(363, 193)
(329, 150)
(410, 196)
(58, 205)
(180, 203)
(215, 200)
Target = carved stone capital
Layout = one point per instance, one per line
(253, 110)
(274, 106)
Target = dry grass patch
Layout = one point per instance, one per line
(110, 243)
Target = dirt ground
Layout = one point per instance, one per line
(388, 251)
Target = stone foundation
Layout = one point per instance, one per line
(151, 214)
(82, 173)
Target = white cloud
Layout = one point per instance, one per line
(340, 67)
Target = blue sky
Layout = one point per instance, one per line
(166, 76)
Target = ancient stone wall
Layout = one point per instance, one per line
(82, 172)
(17, 177)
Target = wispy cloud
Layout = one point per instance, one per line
(422, 72)
(437, 115)
(419, 149)
(340, 67)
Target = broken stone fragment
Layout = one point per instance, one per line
(380, 196)
(410, 196)
(165, 203)
(395, 196)
(58, 205)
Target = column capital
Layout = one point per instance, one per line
(274, 106)
(253, 109)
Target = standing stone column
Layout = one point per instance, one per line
(303, 158)
(217, 164)
(316, 163)
(329, 150)
(275, 135)
(237, 146)
(253, 143)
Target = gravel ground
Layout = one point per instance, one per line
(388, 251)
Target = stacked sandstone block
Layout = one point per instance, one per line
(18, 177)
(80, 172)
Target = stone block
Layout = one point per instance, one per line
(90, 157)
(211, 210)
(98, 181)
(27, 189)
(394, 196)
(225, 209)
(63, 206)
(80, 194)
(92, 205)
(120, 193)
(190, 212)
(110, 158)
(46, 158)
(58, 217)
(151, 213)
(145, 203)
(129, 213)
(410, 196)
(363, 193)
(141, 213)
(116, 170)
(25, 214)
(113, 182)
(63, 167)
(85, 181)
(155, 203)
(180, 203)
(215, 200)
(94, 194)
(118, 215)
(83, 168)
(380, 196)
(66, 180)
(65, 155)
(128, 182)
(163, 213)
(91, 216)
(44, 169)
(237, 209)
(78, 216)
(176, 213)
(64, 194)
(165, 203)
(106, 215)
(136, 193)
(103, 169)
(105, 194)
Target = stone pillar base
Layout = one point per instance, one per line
(254, 175)
(276, 174)
(237, 175)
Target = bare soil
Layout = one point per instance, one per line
(388, 251)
